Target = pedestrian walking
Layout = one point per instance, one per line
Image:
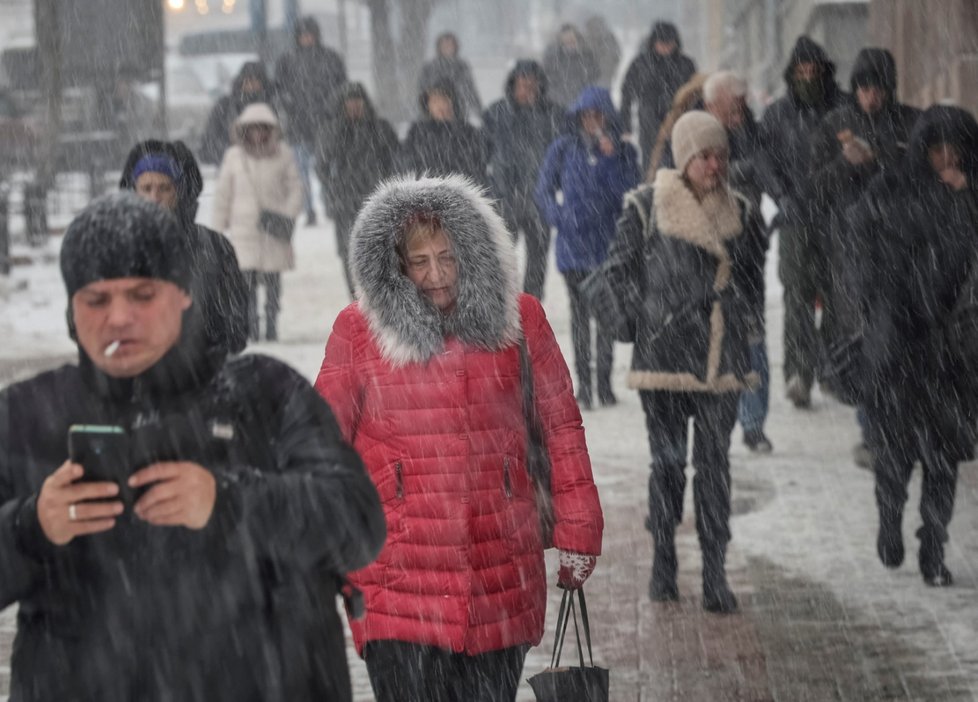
(442, 141)
(424, 374)
(607, 51)
(251, 85)
(686, 265)
(856, 141)
(308, 79)
(570, 65)
(650, 83)
(167, 173)
(201, 566)
(592, 168)
(920, 232)
(259, 181)
(519, 128)
(356, 151)
(786, 132)
(448, 66)
(725, 97)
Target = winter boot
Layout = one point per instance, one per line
(584, 397)
(931, 558)
(662, 586)
(717, 596)
(889, 540)
(605, 396)
(757, 441)
(799, 392)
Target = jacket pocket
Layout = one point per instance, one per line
(507, 478)
(399, 480)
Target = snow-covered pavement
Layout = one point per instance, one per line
(820, 618)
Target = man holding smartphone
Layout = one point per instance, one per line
(218, 581)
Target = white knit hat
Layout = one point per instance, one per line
(693, 132)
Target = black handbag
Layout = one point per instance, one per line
(584, 683)
(537, 458)
(611, 313)
(276, 225)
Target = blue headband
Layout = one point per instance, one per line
(157, 163)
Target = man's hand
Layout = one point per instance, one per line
(606, 145)
(954, 178)
(856, 152)
(181, 494)
(575, 568)
(67, 508)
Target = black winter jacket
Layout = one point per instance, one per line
(241, 610)
(690, 275)
(308, 81)
(518, 136)
(918, 238)
(354, 155)
(651, 81)
(439, 148)
(217, 131)
(786, 131)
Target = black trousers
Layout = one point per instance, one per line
(667, 417)
(581, 336)
(893, 464)
(802, 268)
(273, 300)
(522, 215)
(406, 672)
(343, 221)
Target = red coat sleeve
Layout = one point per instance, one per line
(337, 381)
(577, 508)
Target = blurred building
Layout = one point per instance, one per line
(936, 47)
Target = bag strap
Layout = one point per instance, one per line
(566, 612)
(561, 629)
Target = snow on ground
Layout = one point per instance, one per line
(824, 619)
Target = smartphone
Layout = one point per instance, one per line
(103, 451)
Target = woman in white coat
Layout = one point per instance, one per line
(258, 174)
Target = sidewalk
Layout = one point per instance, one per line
(820, 618)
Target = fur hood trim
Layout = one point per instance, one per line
(706, 224)
(407, 327)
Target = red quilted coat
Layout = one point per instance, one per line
(439, 424)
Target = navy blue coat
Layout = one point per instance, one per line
(593, 185)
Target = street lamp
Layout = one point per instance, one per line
(176, 5)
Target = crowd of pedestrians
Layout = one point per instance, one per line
(408, 478)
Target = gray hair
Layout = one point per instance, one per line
(727, 82)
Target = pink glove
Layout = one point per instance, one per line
(575, 568)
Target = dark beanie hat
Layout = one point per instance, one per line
(123, 236)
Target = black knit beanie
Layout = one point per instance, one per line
(123, 236)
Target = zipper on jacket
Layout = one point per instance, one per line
(400, 480)
(507, 486)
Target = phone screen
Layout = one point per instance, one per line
(103, 451)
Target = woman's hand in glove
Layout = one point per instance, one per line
(575, 568)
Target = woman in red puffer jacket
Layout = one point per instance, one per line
(423, 373)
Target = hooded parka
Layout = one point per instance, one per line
(592, 185)
(250, 182)
(218, 285)
(650, 82)
(433, 404)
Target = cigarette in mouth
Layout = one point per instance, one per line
(112, 348)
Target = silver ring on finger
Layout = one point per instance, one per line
(72, 513)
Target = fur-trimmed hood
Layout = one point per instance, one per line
(407, 327)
